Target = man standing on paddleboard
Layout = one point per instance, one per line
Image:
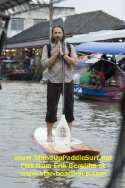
(52, 57)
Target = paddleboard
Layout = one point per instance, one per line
(75, 147)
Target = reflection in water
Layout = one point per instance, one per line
(54, 181)
(61, 179)
(23, 108)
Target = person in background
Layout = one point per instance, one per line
(54, 85)
(104, 57)
(93, 77)
(100, 79)
(32, 62)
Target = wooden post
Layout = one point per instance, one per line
(50, 18)
(4, 33)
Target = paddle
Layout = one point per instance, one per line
(62, 133)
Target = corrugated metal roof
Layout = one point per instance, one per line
(6, 4)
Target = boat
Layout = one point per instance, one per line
(12, 70)
(113, 71)
(20, 75)
(111, 94)
(24, 75)
(113, 84)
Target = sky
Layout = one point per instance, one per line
(112, 7)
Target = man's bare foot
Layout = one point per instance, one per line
(49, 139)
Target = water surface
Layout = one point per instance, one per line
(23, 108)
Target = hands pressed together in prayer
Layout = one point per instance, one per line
(58, 49)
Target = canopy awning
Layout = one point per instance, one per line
(97, 36)
(102, 47)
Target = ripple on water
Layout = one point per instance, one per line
(23, 108)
